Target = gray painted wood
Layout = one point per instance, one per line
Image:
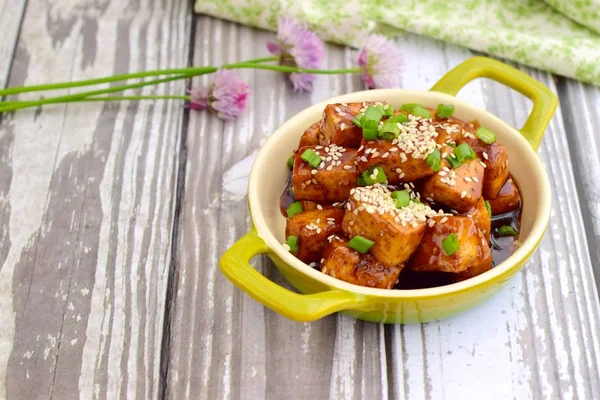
(87, 205)
(89, 197)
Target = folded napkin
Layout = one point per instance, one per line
(541, 34)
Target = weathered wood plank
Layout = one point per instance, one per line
(581, 111)
(90, 205)
(11, 14)
(535, 339)
(224, 344)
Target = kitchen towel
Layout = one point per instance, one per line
(560, 36)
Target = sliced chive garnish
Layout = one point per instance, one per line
(416, 201)
(485, 135)
(311, 158)
(464, 153)
(357, 120)
(507, 230)
(381, 110)
(360, 244)
(370, 129)
(452, 144)
(374, 113)
(399, 118)
(374, 175)
(294, 208)
(389, 130)
(421, 111)
(454, 163)
(434, 160)
(361, 181)
(292, 242)
(488, 207)
(445, 110)
(401, 198)
(290, 162)
(389, 110)
(450, 244)
(409, 106)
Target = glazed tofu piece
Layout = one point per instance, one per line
(330, 181)
(397, 165)
(310, 137)
(312, 228)
(431, 256)
(449, 129)
(338, 127)
(507, 200)
(313, 205)
(372, 214)
(460, 188)
(347, 264)
(483, 266)
(495, 158)
(479, 214)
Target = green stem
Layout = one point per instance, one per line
(118, 98)
(77, 96)
(121, 77)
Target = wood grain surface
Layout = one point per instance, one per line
(113, 217)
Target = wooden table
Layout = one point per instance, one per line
(113, 216)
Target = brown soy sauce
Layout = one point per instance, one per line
(502, 247)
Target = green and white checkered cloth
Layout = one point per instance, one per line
(560, 36)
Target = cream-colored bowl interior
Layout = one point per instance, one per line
(269, 174)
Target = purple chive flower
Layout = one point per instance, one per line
(296, 46)
(381, 62)
(226, 95)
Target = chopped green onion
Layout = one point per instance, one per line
(452, 144)
(507, 230)
(454, 163)
(421, 111)
(464, 152)
(311, 158)
(434, 160)
(485, 135)
(445, 110)
(374, 175)
(357, 120)
(380, 108)
(294, 208)
(290, 162)
(360, 244)
(370, 129)
(488, 207)
(374, 113)
(292, 242)
(389, 130)
(389, 110)
(361, 181)
(415, 200)
(399, 118)
(409, 106)
(401, 198)
(450, 244)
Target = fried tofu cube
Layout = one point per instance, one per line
(395, 239)
(479, 214)
(507, 200)
(331, 181)
(312, 228)
(397, 165)
(484, 266)
(459, 189)
(347, 264)
(431, 256)
(449, 129)
(495, 158)
(310, 137)
(338, 127)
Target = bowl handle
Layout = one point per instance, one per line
(544, 101)
(299, 307)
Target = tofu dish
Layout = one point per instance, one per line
(404, 198)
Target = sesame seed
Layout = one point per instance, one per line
(329, 168)
(324, 270)
(347, 167)
(463, 194)
(475, 179)
(443, 220)
(338, 110)
(363, 159)
(482, 164)
(319, 207)
(467, 179)
(385, 155)
(318, 230)
(314, 171)
(344, 104)
(342, 126)
(442, 173)
(485, 155)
